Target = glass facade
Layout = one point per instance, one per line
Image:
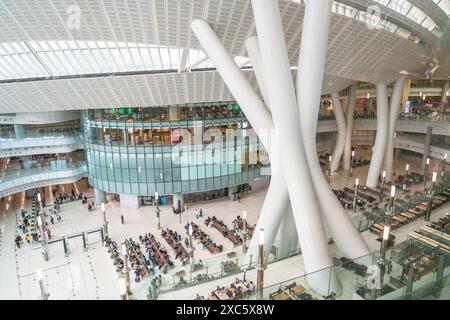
(170, 149)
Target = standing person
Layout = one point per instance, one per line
(51, 219)
(196, 213)
(121, 219)
(27, 238)
(49, 234)
(201, 212)
(18, 241)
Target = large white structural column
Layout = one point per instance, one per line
(295, 167)
(311, 66)
(396, 99)
(340, 141)
(351, 102)
(381, 138)
(275, 204)
(286, 236)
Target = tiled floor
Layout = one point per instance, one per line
(90, 274)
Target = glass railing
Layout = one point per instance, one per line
(41, 169)
(214, 268)
(409, 270)
(7, 136)
(390, 275)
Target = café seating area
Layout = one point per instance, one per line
(239, 289)
(174, 240)
(410, 214)
(292, 291)
(223, 229)
(205, 240)
(238, 223)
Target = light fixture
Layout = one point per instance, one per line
(39, 197)
(428, 160)
(261, 237)
(445, 156)
(139, 169)
(330, 158)
(357, 182)
(393, 191)
(124, 249)
(433, 179)
(407, 167)
(368, 96)
(353, 153)
(103, 207)
(39, 274)
(245, 214)
(386, 231)
(39, 220)
(384, 173)
(123, 287)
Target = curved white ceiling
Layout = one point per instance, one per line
(38, 38)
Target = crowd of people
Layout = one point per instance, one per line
(205, 240)
(173, 238)
(233, 235)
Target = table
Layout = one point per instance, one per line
(281, 296)
(297, 289)
(240, 285)
(221, 296)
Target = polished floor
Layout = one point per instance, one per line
(89, 274)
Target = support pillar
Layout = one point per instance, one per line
(427, 147)
(341, 136)
(20, 131)
(346, 158)
(259, 116)
(286, 119)
(286, 240)
(231, 190)
(100, 196)
(178, 201)
(382, 135)
(393, 116)
(311, 67)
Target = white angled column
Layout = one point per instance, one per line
(351, 102)
(340, 141)
(255, 110)
(309, 87)
(254, 54)
(396, 99)
(295, 167)
(381, 138)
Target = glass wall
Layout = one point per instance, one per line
(170, 149)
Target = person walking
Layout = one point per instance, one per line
(52, 220)
(27, 238)
(201, 213)
(121, 219)
(196, 213)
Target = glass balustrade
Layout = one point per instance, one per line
(413, 269)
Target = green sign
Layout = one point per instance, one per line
(113, 110)
(236, 107)
(130, 110)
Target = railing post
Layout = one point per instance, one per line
(83, 235)
(66, 249)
